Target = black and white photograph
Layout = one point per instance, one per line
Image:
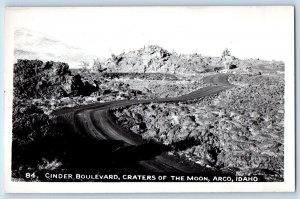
(125, 98)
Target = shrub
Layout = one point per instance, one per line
(226, 53)
(98, 66)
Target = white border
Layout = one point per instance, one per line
(141, 187)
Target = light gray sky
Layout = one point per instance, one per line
(257, 32)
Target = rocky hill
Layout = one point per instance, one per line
(155, 59)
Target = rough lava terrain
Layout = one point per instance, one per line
(223, 114)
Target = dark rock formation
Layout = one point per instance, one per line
(30, 126)
(35, 79)
(82, 88)
(232, 66)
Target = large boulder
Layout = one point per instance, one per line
(37, 79)
(78, 87)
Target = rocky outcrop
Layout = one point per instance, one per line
(154, 59)
(36, 79)
(78, 87)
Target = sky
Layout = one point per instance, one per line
(248, 32)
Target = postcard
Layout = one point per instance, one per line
(149, 99)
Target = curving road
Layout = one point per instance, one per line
(95, 121)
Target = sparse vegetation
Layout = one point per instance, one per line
(226, 53)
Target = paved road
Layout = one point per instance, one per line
(95, 121)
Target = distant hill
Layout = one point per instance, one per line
(34, 45)
(155, 59)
